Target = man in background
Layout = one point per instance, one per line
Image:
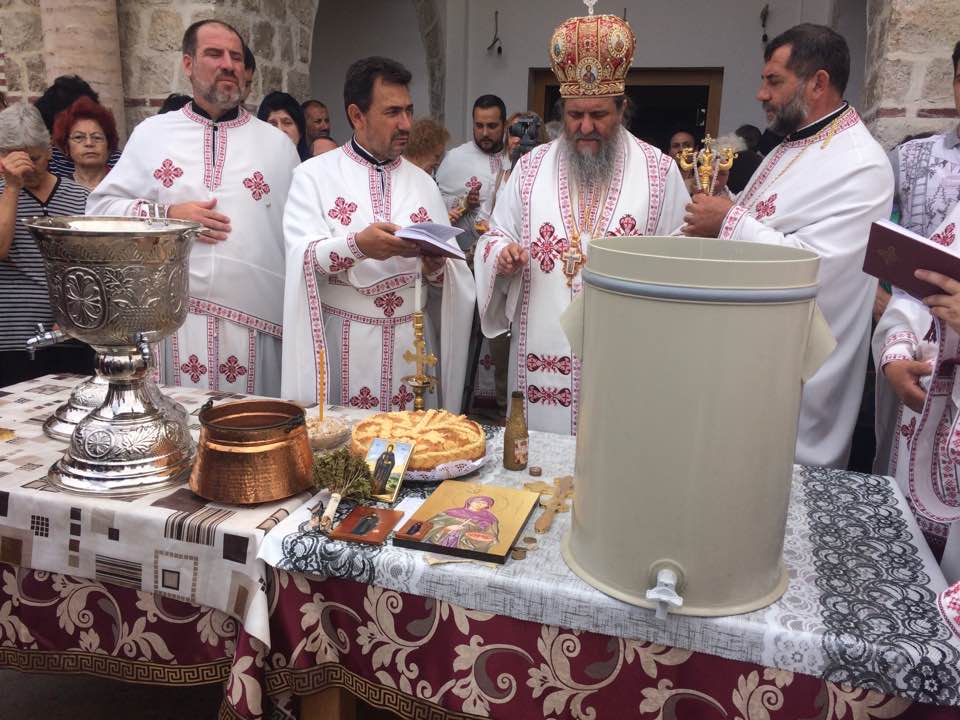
(468, 173)
(318, 120)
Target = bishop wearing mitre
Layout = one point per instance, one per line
(596, 179)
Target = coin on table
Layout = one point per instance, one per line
(518, 553)
(530, 540)
(535, 471)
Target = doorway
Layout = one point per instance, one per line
(662, 100)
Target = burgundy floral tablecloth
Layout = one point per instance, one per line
(418, 657)
(411, 654)
(861, 611)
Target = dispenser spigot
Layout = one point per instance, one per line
(664, 593)
(44, 338)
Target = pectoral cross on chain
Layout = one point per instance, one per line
(573, 260)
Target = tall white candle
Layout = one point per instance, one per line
(416, 293)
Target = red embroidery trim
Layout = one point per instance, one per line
(342, 211)
(232, 369)
(388, 303)
(167, 173)
(193, 368)
(256, 185)
(548, 248)
(420, 216)
(365, 399)
(766, 208)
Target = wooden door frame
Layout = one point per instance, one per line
(542, 78)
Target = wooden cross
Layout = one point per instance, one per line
(572, 261)
(554, 498)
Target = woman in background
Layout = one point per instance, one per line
(87, 134)
(27, 190)
(427, 144)
(281, 110)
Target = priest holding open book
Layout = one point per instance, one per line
(352, 282)
(916, 346)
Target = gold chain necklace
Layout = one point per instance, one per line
(573, 257)
(831, 130)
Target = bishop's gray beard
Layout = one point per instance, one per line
(590, 169)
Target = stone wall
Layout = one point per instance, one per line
(279, 33)
(23, 48)
(908, 87)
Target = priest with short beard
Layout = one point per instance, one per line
(213, 163)
(595, 180)
(351, 281)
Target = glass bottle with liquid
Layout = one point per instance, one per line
(515, 436)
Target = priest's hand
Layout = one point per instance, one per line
(378, 241)
(472, 201)
(511, 258)
(432, 263)
(201, 211)
(945, 306)
(703, 217)
(904, 377)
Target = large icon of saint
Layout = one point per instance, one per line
(471, 527)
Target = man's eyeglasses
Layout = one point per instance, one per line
(81, 138)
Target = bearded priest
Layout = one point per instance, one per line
(344, 259)
(819, 190)
(215, 164)
(595, 180)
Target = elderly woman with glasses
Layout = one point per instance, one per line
(28, 189)
(87, 134)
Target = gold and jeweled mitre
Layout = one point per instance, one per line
(591, 55)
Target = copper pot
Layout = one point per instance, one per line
(252, 451)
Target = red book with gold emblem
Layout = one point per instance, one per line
(893, 253)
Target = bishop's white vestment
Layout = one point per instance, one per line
(359, 310)
(464, 168)
(821, 193)
(542, 210)
(231, 338)
(925, 457)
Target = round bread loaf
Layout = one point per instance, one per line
(439, 436)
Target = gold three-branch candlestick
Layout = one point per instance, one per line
(707, 163)
(420, 382)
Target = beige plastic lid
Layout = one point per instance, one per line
(702, 263)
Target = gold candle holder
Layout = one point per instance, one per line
(707, 163)
(420, 382)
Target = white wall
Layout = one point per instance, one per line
(851, 23)
(670, 33)
(348, 31)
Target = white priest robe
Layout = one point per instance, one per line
(462, 169)
(645, 196)
(925, 457)
(231, 338)
(822, 193)
(359, 310)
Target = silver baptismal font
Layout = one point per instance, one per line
(119, 284)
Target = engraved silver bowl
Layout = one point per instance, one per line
(120, 284)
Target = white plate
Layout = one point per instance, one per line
(447, 471)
